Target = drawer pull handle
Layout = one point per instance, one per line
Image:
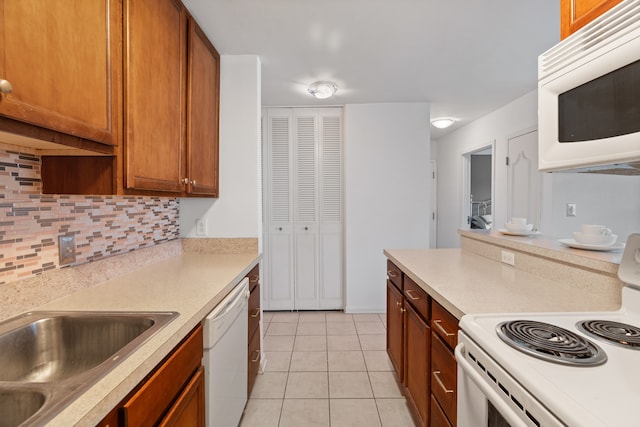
(398, 304)
(392, 273)
(254, 279)
(402, 310)
(256, 314)
(438, 324)
(436, 375)
(408, 292)
(257, 357)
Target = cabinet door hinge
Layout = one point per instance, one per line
(506, 161)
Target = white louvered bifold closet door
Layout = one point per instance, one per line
(304, 195)
(331, 224)
(278, 289)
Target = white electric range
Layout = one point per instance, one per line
(567, 376)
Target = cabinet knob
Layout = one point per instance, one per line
(5, 87)
(306, 228)
(193, 182)
(184, 180)
(279, 228)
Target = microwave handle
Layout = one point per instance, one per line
(505, 410)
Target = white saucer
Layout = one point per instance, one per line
(573, 244)
(518, 233)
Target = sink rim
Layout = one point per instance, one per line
(59, 393)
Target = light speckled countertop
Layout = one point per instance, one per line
(465, 283)
(191, 284)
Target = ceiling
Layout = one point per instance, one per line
(465, 58)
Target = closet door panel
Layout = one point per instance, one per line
(279, 283)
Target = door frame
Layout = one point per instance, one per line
(465, 205)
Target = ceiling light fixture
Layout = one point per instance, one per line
(442, 122)
(322, 90)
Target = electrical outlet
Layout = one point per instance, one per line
(508, 258)
(201, 227)
(571, 209)
(67, 249)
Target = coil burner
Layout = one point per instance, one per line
(551, 343)
(620, 334)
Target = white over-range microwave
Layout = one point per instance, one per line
(589, 96)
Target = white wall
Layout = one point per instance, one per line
(610, 200)
(494, 128)
(238, 210)
(600, 199)
(387, 193)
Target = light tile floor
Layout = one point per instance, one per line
(326, 369)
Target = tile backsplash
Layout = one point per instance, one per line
(31, 222)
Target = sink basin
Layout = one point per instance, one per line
(58, 355)
(16, 405)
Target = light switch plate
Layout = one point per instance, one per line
(67, 246)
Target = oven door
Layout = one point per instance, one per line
(489, 397)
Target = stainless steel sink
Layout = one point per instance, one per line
(16, 405)
(48, 358)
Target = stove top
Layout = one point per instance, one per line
(582, 394)
(620, 334)
(550, 342)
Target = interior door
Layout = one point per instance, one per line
(306, 208)
(523, 178)
(279, 292)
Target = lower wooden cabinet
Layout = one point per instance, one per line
(416, 380)
(188, 409)
(172, 395)
(443, 377)
(395, 329)
(254, 353)
(421, 336)
(438, 418)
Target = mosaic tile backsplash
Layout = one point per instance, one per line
(30, 222)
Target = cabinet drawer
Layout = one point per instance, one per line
(438, 418)
(254, 277)
(445, 324)
(254, 310)
(253, 362)
(417, 297)
(443, 377)
(146, 406)
(394, 274)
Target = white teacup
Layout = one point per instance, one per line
(595, 239)
(597, 230)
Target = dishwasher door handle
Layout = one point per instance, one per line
(231, 301)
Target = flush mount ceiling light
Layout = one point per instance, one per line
(442, 122)
(322, 90)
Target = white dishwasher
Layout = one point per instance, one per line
(225, 358)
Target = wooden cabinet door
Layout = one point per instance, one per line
(575, 14)
(62, 59)
(155, 95)
(189, 408)
(395, 329)
(202, 113)
(417, 364)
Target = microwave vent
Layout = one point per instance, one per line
(629, 169)
(616, 26)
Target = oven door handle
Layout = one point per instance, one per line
(505, 410)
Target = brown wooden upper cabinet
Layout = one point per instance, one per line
(575, 14)
(171, 85)
(60, 67)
